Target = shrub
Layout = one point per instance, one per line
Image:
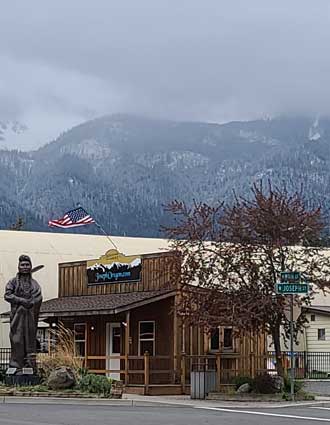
(298, 385)
(97, 384)
(2, 375)
(63, 354)
(32, 388)
(240, 380)
(265, 384)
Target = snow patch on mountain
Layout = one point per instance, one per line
(314, 133)
(12, 134)
(87, 149)
(315, 136)
(172, 160)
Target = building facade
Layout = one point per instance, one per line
(122, 312)
(52, 248)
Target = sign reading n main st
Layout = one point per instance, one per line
(290, 277)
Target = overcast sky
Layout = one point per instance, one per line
(65, 61)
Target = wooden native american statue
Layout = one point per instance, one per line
(24, 295)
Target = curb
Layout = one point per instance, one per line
(65, 400)
(152, 402)
(34, 394)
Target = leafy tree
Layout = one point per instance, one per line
(231, 256)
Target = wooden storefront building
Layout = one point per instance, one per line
(122, 312)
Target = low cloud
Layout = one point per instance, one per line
(65, 62)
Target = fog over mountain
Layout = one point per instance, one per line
(213, 77)
(65, 62)
(124, 168)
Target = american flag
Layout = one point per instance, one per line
(73, 218)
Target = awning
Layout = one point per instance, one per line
(88, 305)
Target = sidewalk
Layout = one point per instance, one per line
(186, 401)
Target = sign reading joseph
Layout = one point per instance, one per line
(114, 267)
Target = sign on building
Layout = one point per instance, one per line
(114, 267)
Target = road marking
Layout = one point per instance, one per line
(323, 408)
(250, 412)
(20, 421)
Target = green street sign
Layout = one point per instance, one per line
(292, 288)
(290, 277)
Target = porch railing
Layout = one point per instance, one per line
(138, 370)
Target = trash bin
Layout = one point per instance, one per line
(202, 381)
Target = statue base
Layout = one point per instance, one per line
(24, 377)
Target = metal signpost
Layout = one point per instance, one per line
(291, 284)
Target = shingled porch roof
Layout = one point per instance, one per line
(101, 304)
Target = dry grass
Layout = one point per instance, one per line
(62, 354)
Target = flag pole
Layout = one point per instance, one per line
(105, 233)
(97, 224)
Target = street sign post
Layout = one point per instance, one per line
(291, 284)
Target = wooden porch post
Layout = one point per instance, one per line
(146, 373)
(86, 342)
(253, 355)
(183, 347)
(49, 344)
(218, 361)
(127, 337)
(183, 373)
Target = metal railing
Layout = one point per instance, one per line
(4, 358)
(308, 365)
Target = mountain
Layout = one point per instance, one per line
(123, 168)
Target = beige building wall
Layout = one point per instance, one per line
(313, 343)
(308, 339)
(50, 249)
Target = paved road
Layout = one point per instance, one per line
(42, 413)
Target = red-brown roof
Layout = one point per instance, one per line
(101, 304)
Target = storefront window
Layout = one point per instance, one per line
(215, 340)
(227, 338)
(225, 335)
(147, 338)
(116, 340)
(42, 340)
(79, 339)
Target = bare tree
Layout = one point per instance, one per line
(19, 225)
(231, 256)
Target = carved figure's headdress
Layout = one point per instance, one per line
(25, 258)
